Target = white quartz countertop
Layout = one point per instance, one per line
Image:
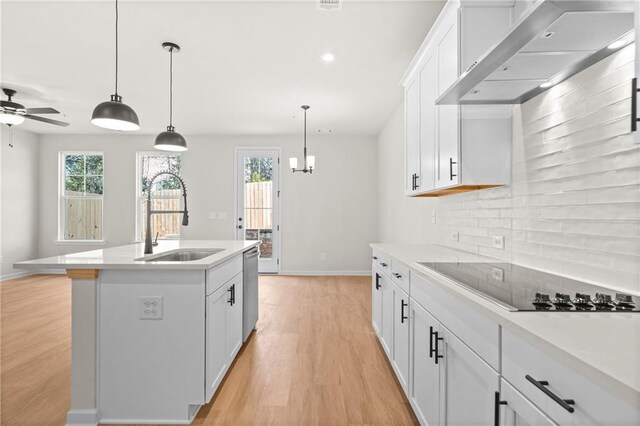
(124, 257)
(604, 346)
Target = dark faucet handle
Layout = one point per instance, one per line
(155, 242)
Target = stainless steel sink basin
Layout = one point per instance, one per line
(181, 255)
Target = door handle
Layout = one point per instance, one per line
(542, 385)
(403, 305)
(451, 163)
(377, 281)
(433, 345)
(416, 184)
(634, 104)
(230, 290)
(496, 409)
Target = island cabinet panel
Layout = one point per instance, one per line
(150, 368)
(234, 317)
(387, 314)
(216, 356)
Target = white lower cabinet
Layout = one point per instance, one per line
(376, 302)
(467, 384)
(216, 360)
(401, 336)
(424, 386)
(223, 328)
(513, 409)
(234, 317)
(387, 314)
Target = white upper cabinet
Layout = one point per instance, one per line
(412, 136)
(451, 148)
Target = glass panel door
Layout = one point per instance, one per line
(257, 210)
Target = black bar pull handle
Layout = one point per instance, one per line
(403, 305)
(384, 265)
(451, 163)
(233, 293)
(634, 104)
(377, 281)
(416, 184)
(397, 275)
(542, 385)
(433, 347)
(230, 290)
(496, 409)
(374, 257)
(431, 333)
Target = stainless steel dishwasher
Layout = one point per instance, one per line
(250, 292)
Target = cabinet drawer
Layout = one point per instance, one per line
(382, 260)
(401, 275)
(475, 329)
(222, 273)
(593, 405)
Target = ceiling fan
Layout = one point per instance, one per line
(12, 113)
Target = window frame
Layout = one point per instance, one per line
(140, 197)
(62, 197)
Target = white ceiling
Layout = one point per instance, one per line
(244, 68)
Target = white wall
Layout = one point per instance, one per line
(19, 218)
(574, 203)
(331, 211)
(401, 219)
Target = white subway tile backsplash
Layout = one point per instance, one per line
(574, 203)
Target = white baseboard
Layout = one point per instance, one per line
(328, 273)
(82, 417)
(26, 273)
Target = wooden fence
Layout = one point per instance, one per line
(258, 205)
(83, 219)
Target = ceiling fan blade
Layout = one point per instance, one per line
(46, 120)
(42, 111)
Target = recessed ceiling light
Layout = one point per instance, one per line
(547, 84)
(328, 57)
(617, 44)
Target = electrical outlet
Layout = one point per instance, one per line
(455, 235)
(323, 256)
(150, 307)
(497, 273)
(497, 242)
(433, 216)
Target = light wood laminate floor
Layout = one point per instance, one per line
(314, 359)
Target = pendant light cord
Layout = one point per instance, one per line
(116, 47)
(171, 87)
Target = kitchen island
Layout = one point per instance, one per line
(152, 335)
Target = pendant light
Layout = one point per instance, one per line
(170, 140)
(309, 161)
(114, 114)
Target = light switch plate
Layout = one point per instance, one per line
(213, 215)
(150, 307)
(497, 242)
(222, 215)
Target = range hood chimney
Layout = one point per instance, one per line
(553, 40)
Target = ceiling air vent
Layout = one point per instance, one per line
(329, 5)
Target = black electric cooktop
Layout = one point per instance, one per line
(518, 288)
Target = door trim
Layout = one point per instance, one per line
(236, 151)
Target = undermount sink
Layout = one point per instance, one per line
(181, 255)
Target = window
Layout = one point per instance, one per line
(81, 196)
(166, 195)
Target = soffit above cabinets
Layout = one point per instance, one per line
(551, 42)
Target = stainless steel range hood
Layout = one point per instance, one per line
(552, 41)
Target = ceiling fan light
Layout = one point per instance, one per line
(170, 140)
(115, 115)
(11, 119)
